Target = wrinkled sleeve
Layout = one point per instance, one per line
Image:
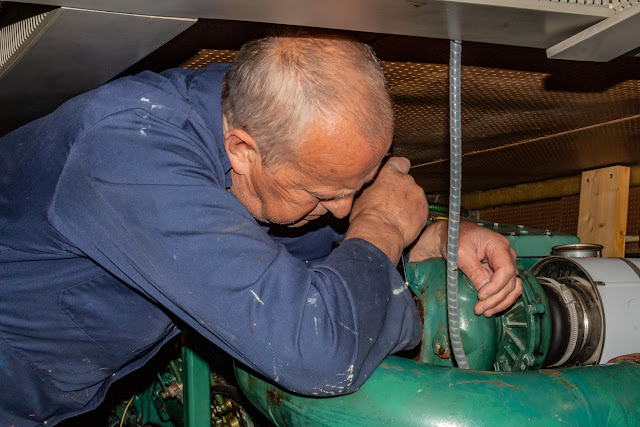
(148, 206)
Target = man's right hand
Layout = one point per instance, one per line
(391, 212)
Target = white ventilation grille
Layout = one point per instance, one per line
(18, 22)
(616, 5)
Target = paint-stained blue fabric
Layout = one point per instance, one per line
(116, 223)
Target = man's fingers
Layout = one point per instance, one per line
(503, 274)
(508, 302)
(493, 300)
(477, 273)
(501, 300)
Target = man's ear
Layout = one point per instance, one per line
(241, 150)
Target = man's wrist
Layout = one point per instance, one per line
(385, 236)
(431, 243)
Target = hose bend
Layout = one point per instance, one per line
(454, 201)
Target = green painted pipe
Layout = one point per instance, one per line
(197, 398)
(404, 392)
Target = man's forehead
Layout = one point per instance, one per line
(339, 181)
(336, 153)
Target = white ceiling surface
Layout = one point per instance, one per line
(530, 23)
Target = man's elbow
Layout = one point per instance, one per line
(324, 375)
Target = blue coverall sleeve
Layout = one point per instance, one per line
(144, 199)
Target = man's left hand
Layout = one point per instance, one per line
(485, 257)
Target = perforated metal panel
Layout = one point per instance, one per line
(633, 220)
(205, 57)
(518, 126)
(560, 215)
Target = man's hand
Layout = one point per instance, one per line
(391, 212)
(485, 257)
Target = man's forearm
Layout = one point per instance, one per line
(385, 236)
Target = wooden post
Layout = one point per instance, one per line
(604, 195)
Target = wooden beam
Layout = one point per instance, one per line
(531, 192)
(604, 196)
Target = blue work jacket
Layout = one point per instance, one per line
(116, 224)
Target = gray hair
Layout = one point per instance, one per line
(278, 87)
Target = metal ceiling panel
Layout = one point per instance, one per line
(532, 23)
(603, 41)
(72, 51)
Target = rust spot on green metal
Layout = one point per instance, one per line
(558, 375)
(393, 367)
(442, 351)
(274, 396)
(498, 383)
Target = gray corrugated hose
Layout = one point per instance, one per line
(454, 202)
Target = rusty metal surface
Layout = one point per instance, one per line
(633, 357)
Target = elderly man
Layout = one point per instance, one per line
(146, 204)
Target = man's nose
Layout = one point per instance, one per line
(338, 207)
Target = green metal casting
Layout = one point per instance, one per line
(427, 280)
(516, 340)
(185, 392)
(524, 330)
(530, 242)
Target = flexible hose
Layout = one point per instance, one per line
(454, 202)
(438, 208)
